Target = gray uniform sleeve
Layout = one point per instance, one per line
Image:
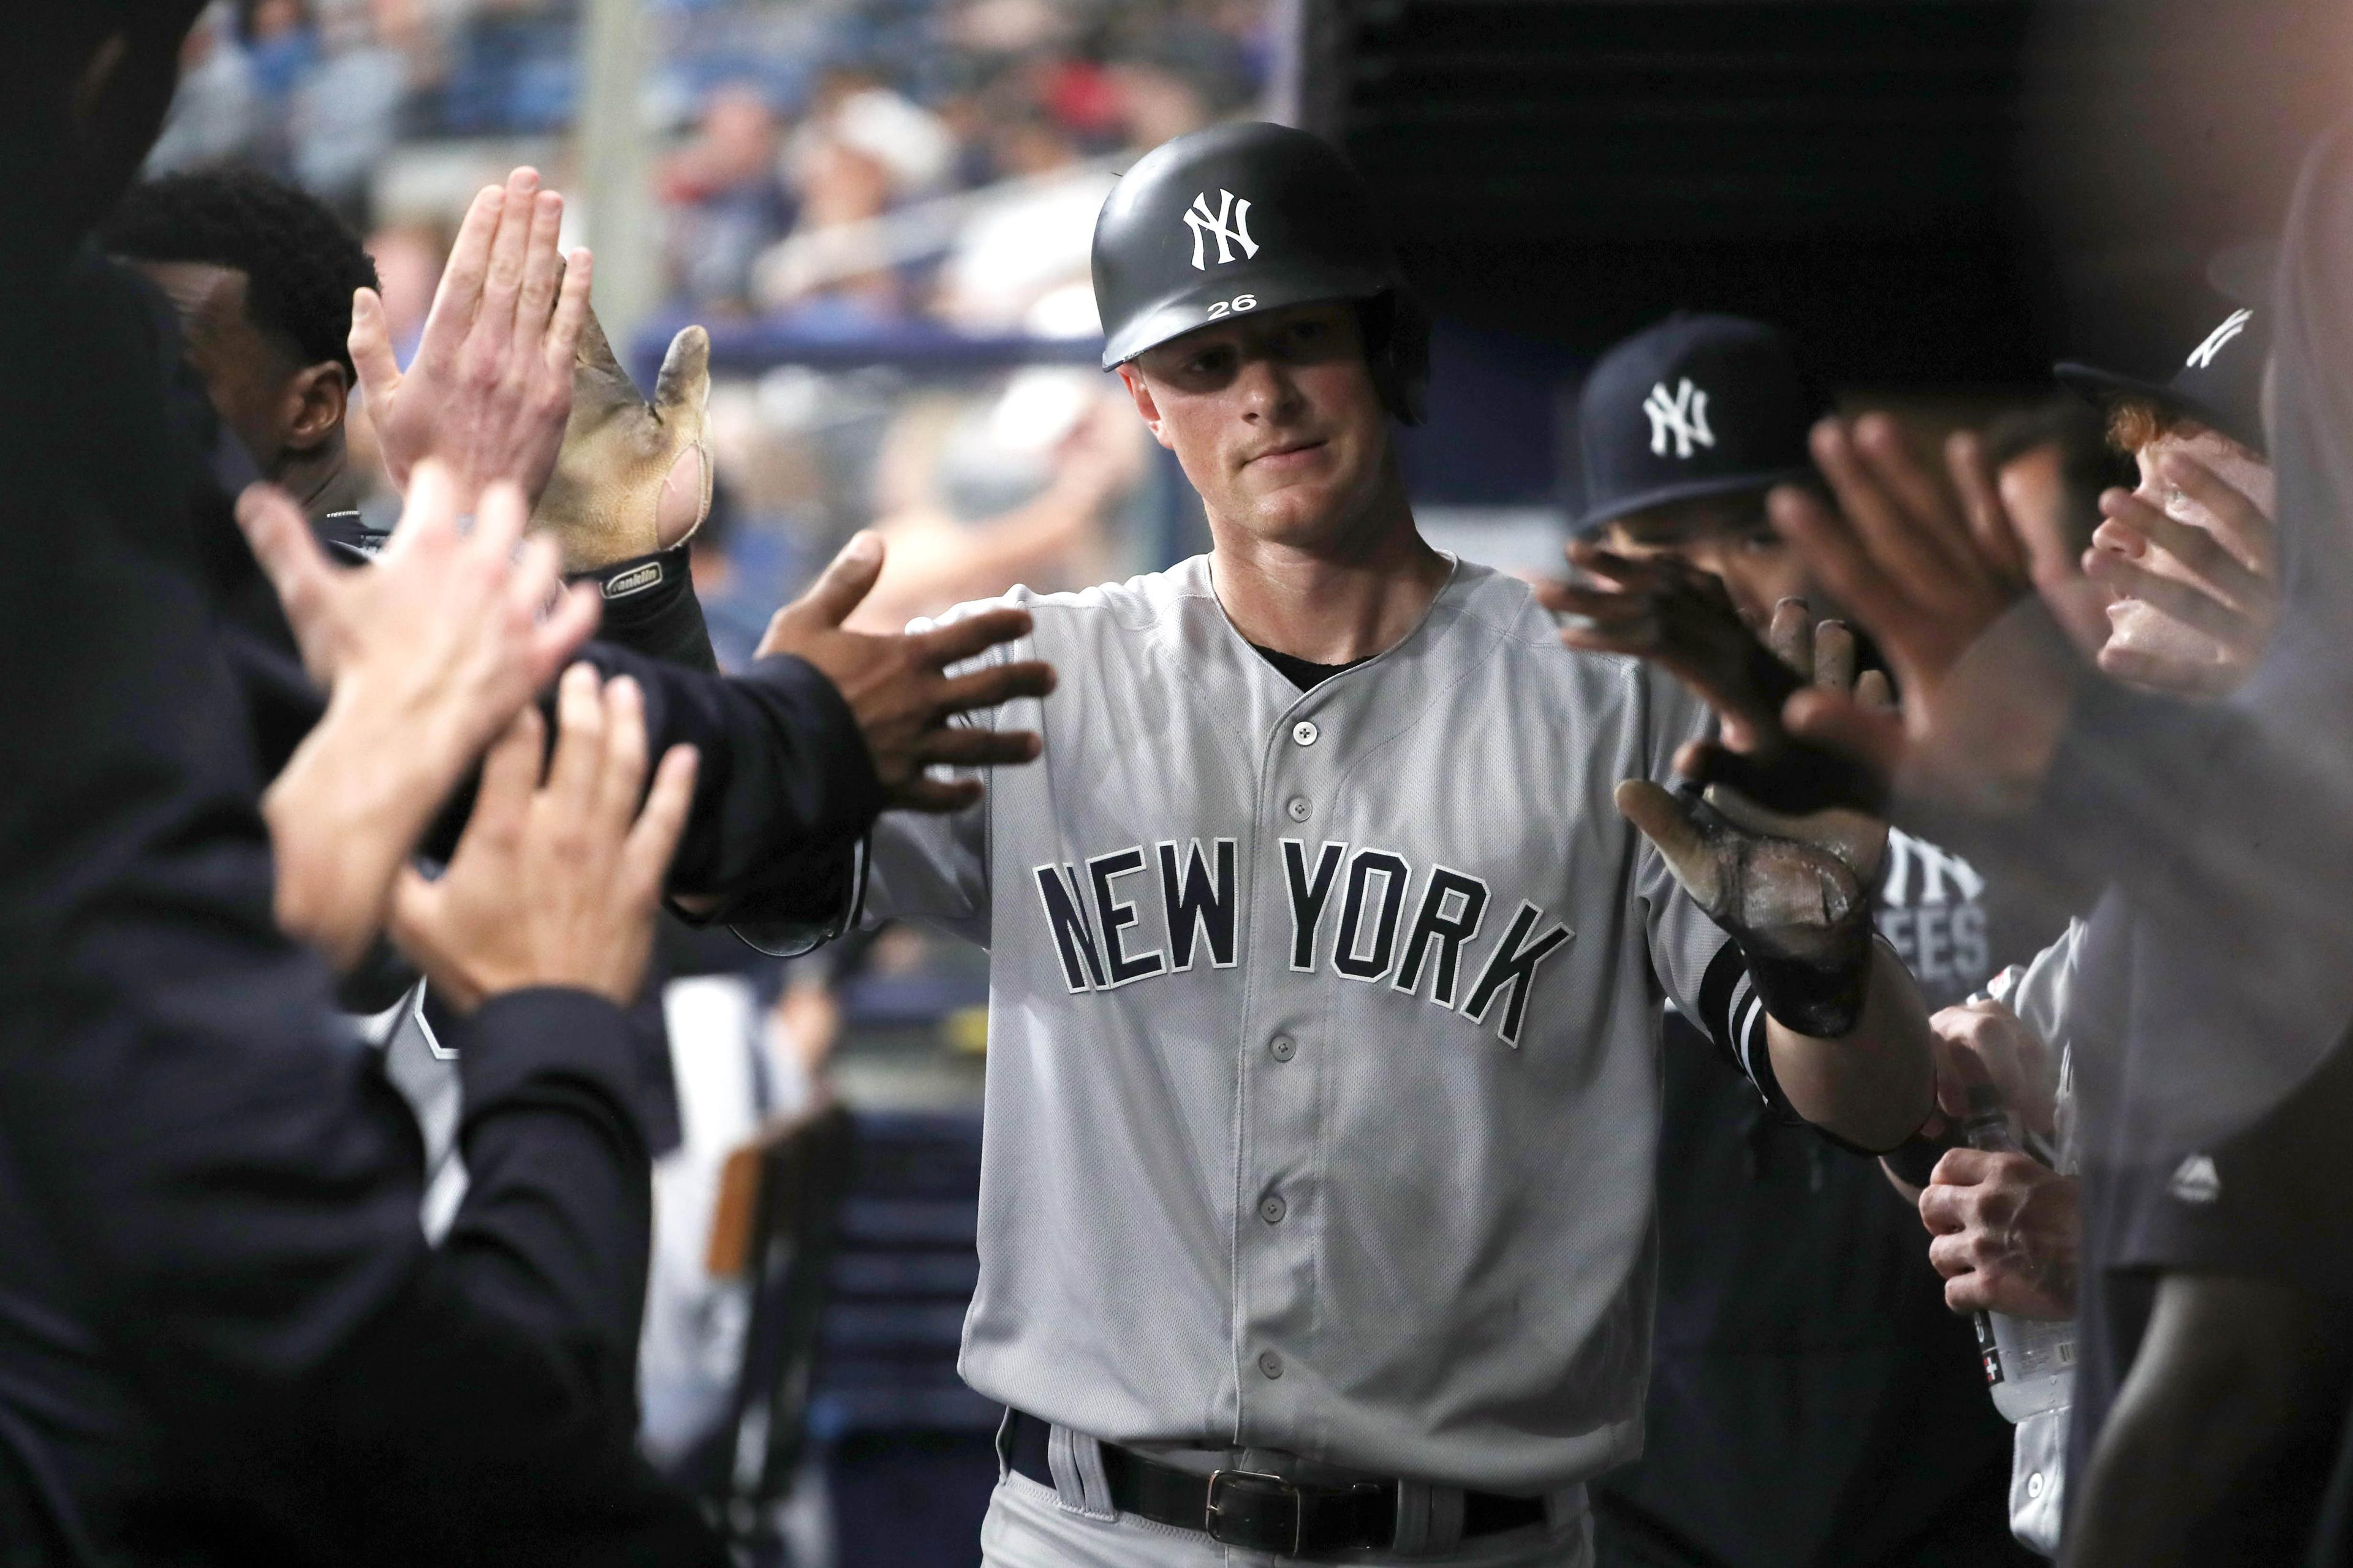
(935, 870)
(1698, 967)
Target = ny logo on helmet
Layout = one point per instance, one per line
(1682, 415)
(1203, 222)
(2202, 357)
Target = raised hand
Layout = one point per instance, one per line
(633, 478)
(898, 687)
(455, 629)
(491, 389)
(2201, 602)
(1933, 568)
(555, 882)
(1662, 610)
(429, 653)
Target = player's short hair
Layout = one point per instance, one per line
(301, 261)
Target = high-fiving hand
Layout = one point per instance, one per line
(428, 653)
(491, 389)
(2200, 603)
(898, 687)
(1796, 892)
(1932, 567)
(555, 882)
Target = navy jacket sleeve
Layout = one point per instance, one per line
(228, 1193)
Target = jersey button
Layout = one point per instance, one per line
(1282, 1047)
(1299, 808)
(1272, 1208)
(1304, 734)
(1270, 1364)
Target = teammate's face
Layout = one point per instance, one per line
(1728, 537)
(1275, 419)
(2139, 626)
(277, 408)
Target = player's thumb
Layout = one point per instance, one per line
(1663, 821)
(371, 346)
(842, 586)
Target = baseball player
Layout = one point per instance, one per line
(1323, 1096)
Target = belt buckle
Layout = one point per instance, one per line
(1246, 1508)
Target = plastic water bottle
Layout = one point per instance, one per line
(2030, 1363)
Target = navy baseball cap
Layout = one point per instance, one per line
(2221, 384)
(1696, 405)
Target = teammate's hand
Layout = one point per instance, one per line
(2008, 1229)
(2201, 603)
(491, 389)
(430, 651)
(554, 883)
(1659, 609)
(1983, 1043)
(456, 629)
(1932, 567)
(898, 688)
(633, 478)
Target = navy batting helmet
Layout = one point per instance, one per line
(1249, 217)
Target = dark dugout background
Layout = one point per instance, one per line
(1937, 196)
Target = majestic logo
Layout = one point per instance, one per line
(1384, 934)
(2196, 1181)
(2202, 357)
(1204, 223)
(1682, 415)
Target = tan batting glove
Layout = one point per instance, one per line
(633, 478)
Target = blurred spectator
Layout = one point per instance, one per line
(863, 149)
(1022, 492)
(734, 609)
(1033, 239)
(725, 197)
(216, 117)
(343, 114)
(281, 38)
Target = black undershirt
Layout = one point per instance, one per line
(1303, 673)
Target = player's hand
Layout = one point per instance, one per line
(1932, 566)
(491, 389)
(2007, 1230)
(454, 630)
(2201, 597)
(898, 687)
(1659, 609)
(1792, 891)
(1982, 1043)
(633, 478)
(555, 882)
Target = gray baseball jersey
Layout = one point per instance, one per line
(1323, 1090)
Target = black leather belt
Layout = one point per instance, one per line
(1259, 1512)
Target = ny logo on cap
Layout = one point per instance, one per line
(2202, 357)
(1682, 415)
(1203, 222)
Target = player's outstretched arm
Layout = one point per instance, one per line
(1845, 1029)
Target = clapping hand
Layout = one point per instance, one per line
(2201, 603)
(556, 880)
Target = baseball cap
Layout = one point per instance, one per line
(1696, 405)
(2221, 384)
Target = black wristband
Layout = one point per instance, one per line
(1821, 1000)
(650, 608)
